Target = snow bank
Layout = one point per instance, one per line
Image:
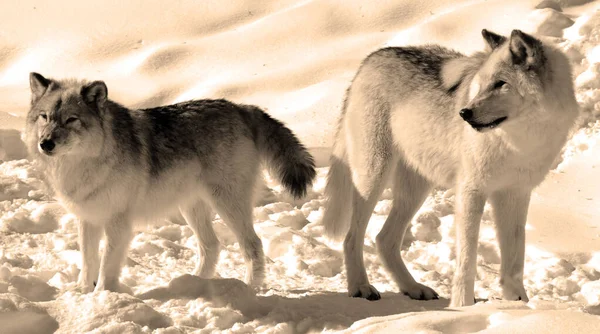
(11, 145)
(20, 316)
(484, 318)
(106, 312)
(33, 217)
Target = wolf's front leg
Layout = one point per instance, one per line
(510, 215)
(469, 209)
(118, 235)
(89, 242)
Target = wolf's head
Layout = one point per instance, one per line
(65, 116)
(508, 83)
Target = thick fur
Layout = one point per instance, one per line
(489, 125)
(112, 166)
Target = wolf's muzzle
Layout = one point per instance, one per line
(47, 145)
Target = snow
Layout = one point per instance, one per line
(501, 318)
(18, 315)
(296, 59)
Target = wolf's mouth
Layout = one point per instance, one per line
(479, 126)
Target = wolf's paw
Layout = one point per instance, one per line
(463, 293)
(85, 287)
(460, 302)
(366, 291)
(118, 287)
(513, 289)
(256, 282)
(514, 292)
(420, 292)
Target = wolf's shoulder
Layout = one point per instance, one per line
(423, 61)
(416, 54)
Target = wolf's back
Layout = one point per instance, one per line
(286, 157)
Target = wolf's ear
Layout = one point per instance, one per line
(525, 50)
(38, 85)
(492, 39)
(95, 93)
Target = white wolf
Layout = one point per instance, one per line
(111, 166)
(489, 125)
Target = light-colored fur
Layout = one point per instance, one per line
(137, 200)
(401, 121)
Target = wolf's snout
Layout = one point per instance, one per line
(47, 145)
(466, 114)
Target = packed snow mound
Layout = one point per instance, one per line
(583, 48)
(10, 121)
(106, 312)
(506, 317)
(31, 287)
(20, 316)
(32, 217)
(11, 145)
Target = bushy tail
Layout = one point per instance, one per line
(338, 192)
(286, 157)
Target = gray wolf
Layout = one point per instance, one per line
(489, 125)
(111, 167)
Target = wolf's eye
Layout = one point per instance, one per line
(71, 120)
(43, 116)
(499, 84)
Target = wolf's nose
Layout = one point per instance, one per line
(466, 114)
(47, 145)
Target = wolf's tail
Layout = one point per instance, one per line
(286, 157)
(338, 192)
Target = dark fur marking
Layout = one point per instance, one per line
(427, 59)
(219, 121)
(527, 52)
(493, 40)
(122, 120)
(289, 158)
(454, 88)
(167, 145)
(58, 105)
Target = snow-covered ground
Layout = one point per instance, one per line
(294, 58)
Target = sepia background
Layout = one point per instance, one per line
(295, 59)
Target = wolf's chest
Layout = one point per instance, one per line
(520, 169)
(88, 192)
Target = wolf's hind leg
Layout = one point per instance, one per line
(369, 176)
(233, 203)
(370, 156)
(199, 217)
(510, 209)
(89, 244)
(410, 191)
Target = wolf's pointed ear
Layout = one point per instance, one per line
(38, 85)
(95, 93)
(492, 39)
(526, 50)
